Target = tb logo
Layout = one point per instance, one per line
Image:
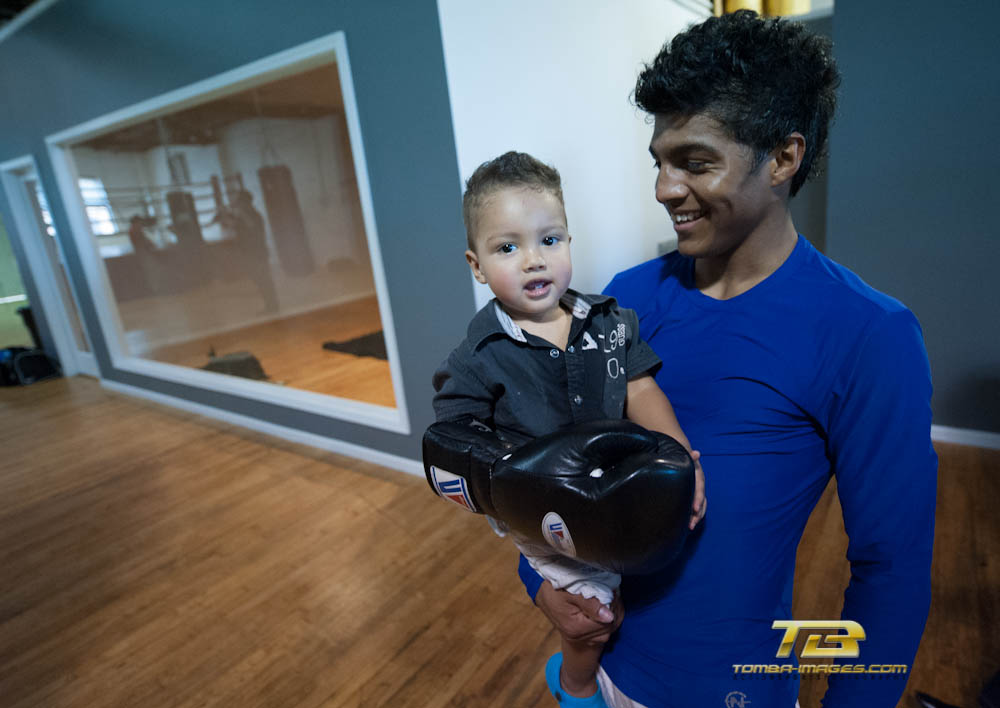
(847, 643)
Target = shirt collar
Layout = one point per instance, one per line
(492, 319)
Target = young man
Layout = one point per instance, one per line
(785, 368)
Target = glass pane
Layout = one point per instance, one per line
(13, 329)
(233, 239)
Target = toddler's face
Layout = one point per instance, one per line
(522, 251)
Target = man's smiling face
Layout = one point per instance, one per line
(716, 196)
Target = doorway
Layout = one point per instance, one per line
(32, 226)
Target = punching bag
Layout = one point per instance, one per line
(285, 218)
(184, 219)
(186, 263)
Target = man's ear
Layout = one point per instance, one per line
(473, 260)
(787, 159)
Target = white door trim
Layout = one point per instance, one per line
(25, 229)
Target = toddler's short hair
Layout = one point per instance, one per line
(512, 169)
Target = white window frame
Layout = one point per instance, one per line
(300, 58)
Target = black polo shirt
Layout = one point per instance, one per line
(523, 386)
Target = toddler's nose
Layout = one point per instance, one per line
(533, 259)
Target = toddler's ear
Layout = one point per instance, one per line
(473, 260)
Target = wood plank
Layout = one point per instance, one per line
(156, 558)
(960, 649)
(290, 350)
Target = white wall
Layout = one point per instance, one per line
(554, 78)
(202, 162)
(115, 169)
(318, 152)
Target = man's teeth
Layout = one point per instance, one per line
(684, 218)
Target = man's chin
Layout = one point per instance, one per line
(690, 248)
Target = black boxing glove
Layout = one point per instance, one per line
(609, 493)
(458, 462)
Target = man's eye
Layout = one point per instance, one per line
(696, 165)
(507, 248)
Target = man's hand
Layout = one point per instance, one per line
(700, 503)
(579, 619)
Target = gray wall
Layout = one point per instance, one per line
(909, 184)
(808, 207)
(913, 183)
(84, 58)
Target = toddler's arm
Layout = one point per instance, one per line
(647, 405)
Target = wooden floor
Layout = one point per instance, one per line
(154, 558)
(960, 649)
(290, 350)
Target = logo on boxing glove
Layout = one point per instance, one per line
(556, 534)
(452, 487)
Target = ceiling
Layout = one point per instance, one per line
(309, 94)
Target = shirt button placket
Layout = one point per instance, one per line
(575, 377)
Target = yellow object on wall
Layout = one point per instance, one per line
(772, 8)
(786, 7)
(734, 5)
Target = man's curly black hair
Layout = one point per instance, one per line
(761, 79)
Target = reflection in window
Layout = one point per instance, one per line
(43, 208)
(95, 199)
(232, 237)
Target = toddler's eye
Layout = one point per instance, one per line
(507, 248)
(550, 240)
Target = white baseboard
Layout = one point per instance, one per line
(366, 454)
(964, 436)
(939, 433)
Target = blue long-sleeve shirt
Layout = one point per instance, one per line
(809, 373)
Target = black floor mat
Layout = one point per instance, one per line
(243, 364)
(372, 345)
